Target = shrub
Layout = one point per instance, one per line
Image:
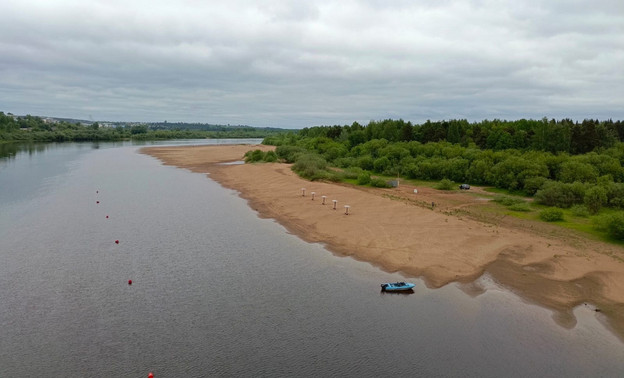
(612, 224)
(533, 184)
(615, 225)
(552, 214)
(445, 184)
(254, 156)
(554, 193)
(365, 162)
(352, 172)
(379, 183)
(580, 211)
(270, 157)
(289, 153)
(595, 198)
(334, 176)
(364, 178)
(346, 162)
(311, 166)
(382, 164)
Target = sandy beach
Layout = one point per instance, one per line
(399, 231)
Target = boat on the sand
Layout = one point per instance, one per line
(397, 286)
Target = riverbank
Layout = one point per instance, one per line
(399, 230)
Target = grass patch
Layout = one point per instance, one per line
(508, 200)
(523, 206)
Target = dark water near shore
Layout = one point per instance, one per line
(218, 291)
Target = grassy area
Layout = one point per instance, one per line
(583, 223)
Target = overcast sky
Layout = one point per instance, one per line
(293, 64)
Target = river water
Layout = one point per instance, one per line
(217, 291)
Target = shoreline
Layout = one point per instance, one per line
(398, 231)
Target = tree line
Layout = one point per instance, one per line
(551, 135)
(35, 129)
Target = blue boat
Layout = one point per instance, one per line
(397, 286)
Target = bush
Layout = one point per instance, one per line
(445, 184)
(270, 157)
(333, 176)
(379, 183)
(612, 224)
(289, 153)
(311, 166)
(254, 156)
(533, 184)
(595, 198)
(615, 225)
(552, 214)
(580, 211)
(346, 162)
(364, 178)
(382, 164)
(352, 172)
(554, 193)
(520, 207)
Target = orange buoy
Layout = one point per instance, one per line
(116, 241)
(129, 282)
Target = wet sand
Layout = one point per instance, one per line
(399, 231)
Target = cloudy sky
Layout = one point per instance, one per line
(287, 63)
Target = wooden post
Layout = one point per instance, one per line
(335, 203)
(324, 198)
(313, 196)
(302, 192)
(347, 209)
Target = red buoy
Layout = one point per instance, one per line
(150, 375)
(97, 201)
(129, 282)
(116, 241)
(107, 217)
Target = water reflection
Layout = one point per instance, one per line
(403, 292)
(13, 149)
(10, 150)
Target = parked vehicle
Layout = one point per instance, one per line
(464, 187)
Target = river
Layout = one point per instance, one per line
(218, 291)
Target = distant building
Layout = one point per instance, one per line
(49, 120)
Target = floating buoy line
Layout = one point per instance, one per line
(150, 375)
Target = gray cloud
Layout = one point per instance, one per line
(295, 64)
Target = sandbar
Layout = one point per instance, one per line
(440, 237)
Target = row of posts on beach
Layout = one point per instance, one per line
(324, 198)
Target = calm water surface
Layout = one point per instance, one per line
(218, 291)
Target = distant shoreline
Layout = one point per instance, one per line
(395, 230)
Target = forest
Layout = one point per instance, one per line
(560, 164)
